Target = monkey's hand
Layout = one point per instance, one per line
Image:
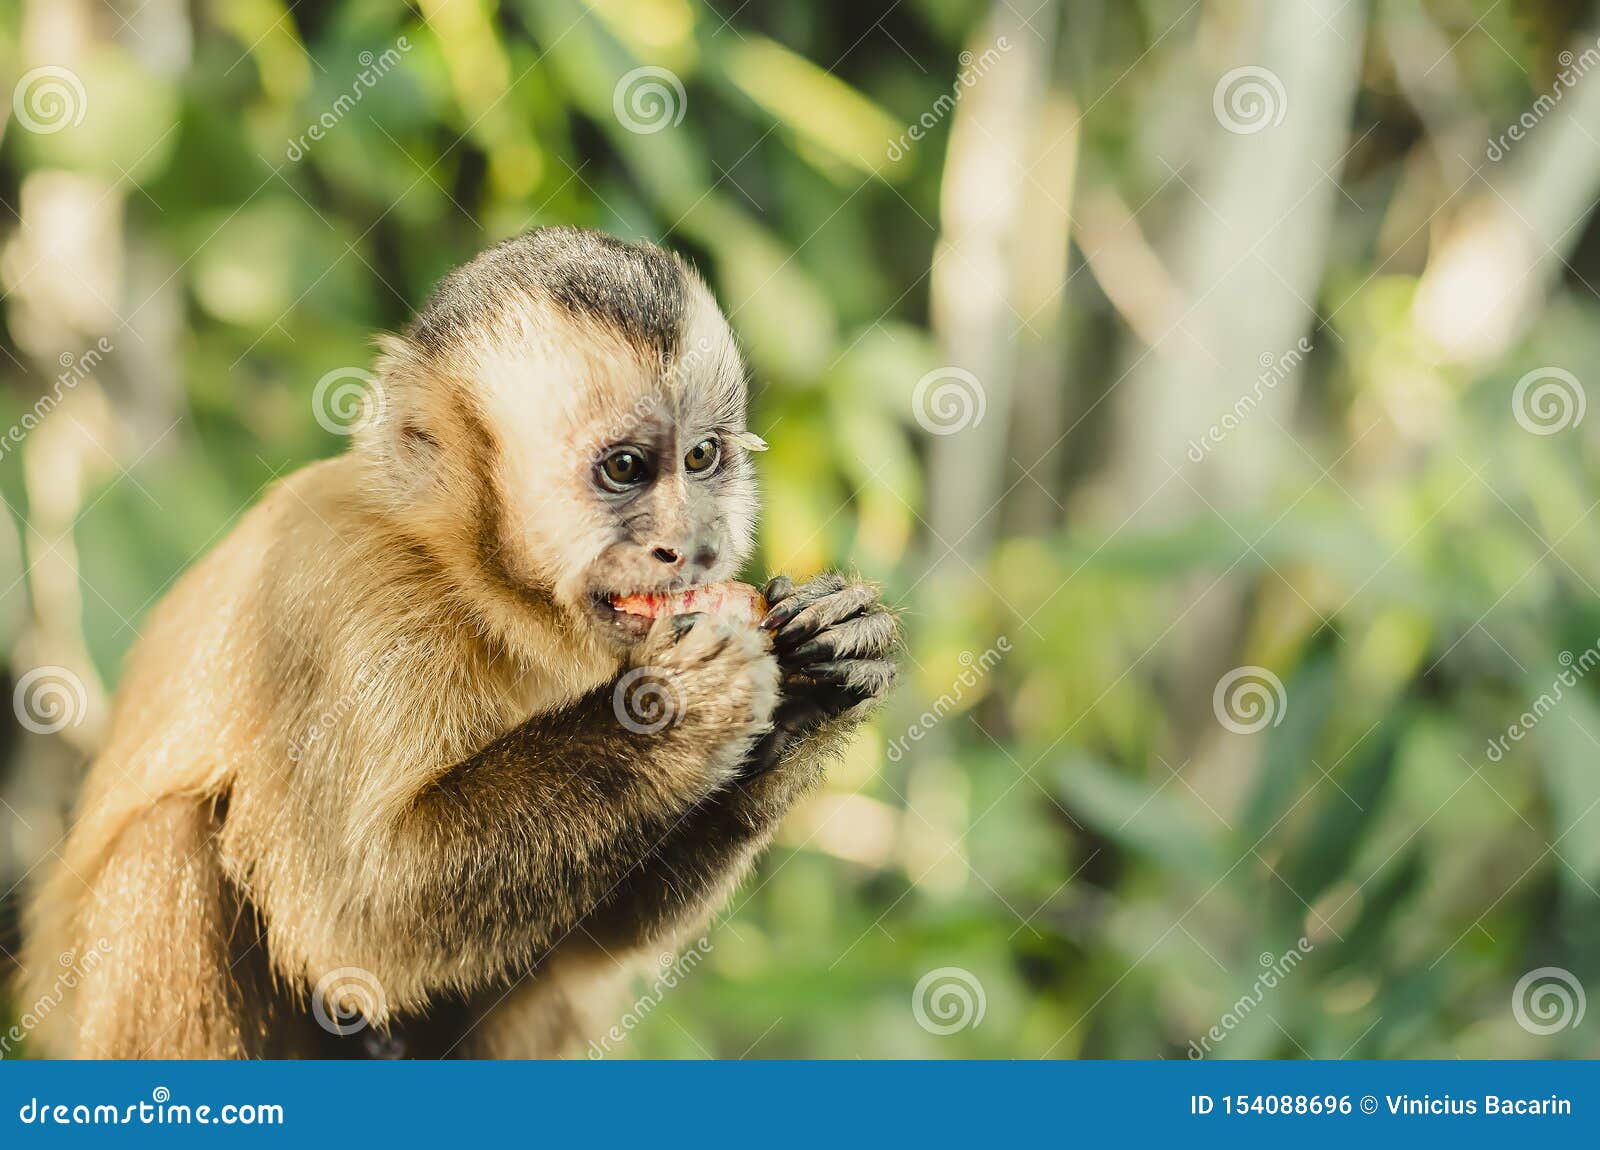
(834, 639)
(712, 680)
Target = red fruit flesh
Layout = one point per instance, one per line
(730, 599)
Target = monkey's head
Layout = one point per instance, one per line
(564, 423)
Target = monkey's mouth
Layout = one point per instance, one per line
(619, 624)
(632, 613)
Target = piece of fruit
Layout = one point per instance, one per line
(730, 599)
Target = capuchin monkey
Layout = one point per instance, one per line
(377, 782)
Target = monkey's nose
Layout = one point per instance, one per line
(668, 555)
(705, 555)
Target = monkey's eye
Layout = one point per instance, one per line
(623, 468)
(702, 456)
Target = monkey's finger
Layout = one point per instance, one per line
(698, 637)
(807, 593)
(868, 678)
(826, 612)
(825, 584)
(797, 684)
(793, 719)
(800, 715)
(866, 636)
(777, 590)
(681, 625)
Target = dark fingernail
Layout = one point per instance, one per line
(683, 624)
(780, 614)
(778, 588)
(827, 672)
(811, 649)
(796, 631)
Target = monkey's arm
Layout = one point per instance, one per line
(834, 640)
(515, 845)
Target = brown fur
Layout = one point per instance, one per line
(374, 730)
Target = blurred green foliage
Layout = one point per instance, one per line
(1079, 835)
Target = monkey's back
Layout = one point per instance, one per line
(303, 679)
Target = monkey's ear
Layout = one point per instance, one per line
(402, 431)
(395, 354)
(397, 365)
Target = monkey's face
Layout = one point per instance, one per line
(566, 425)
(616, 473)
(673, 510)
(668, 481)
